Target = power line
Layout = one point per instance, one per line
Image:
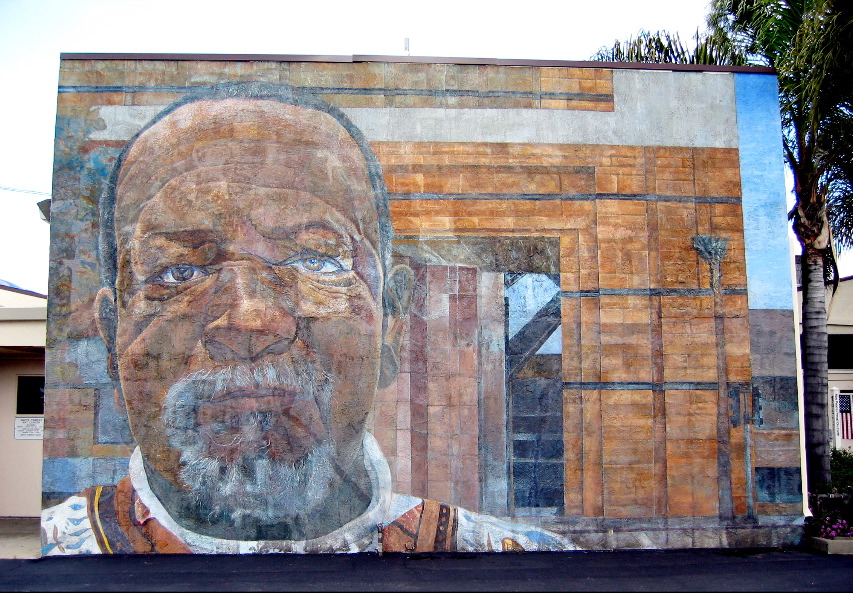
(26, 191)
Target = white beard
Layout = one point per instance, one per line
(254, 487)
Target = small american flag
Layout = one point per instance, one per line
(845, 416)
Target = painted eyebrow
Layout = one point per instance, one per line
(298, 250)
(190, 238)
(302, 254)
(339, 240)
(282, 231)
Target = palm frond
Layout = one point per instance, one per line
(662, 47)
(659, 47)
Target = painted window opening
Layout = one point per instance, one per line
(534, 390)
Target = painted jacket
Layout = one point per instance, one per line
(128, 519)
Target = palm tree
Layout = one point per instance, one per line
(810, 44)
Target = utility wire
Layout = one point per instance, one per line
(26, 191)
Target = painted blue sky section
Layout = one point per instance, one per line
(768, 257)
(554, 344)
(529, 294)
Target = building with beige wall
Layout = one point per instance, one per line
(840, 330)
(22, 341)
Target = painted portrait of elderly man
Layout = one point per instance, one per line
(251, 309)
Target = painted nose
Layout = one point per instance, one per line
(248, 318)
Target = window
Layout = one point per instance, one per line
(30, 395)
(840, 347)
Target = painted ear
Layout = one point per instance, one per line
(398, 291)
(105, 319)
(396, 302)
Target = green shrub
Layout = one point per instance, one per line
(832, 516)
(841, 467)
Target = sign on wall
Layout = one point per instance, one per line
(29, 428)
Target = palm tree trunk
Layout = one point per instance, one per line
(815, 369)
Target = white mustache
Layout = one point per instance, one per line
(306, 380)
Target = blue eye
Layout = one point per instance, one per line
(180, 274)
(316, 264)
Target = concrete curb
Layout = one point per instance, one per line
(837, 545)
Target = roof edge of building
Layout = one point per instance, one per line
(416, 60)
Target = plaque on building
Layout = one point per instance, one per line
(29, 429)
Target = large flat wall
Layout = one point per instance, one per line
(548, 216)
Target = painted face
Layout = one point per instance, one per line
(249, 287)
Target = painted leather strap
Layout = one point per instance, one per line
(429, 527)
(123, 525)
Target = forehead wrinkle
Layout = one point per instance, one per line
(320, 173)
(204, 183)
(204, 133)
(314, 158)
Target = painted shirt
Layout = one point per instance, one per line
(128, 518)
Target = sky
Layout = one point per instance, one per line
(33, 33)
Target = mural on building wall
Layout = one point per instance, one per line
(285, 318)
